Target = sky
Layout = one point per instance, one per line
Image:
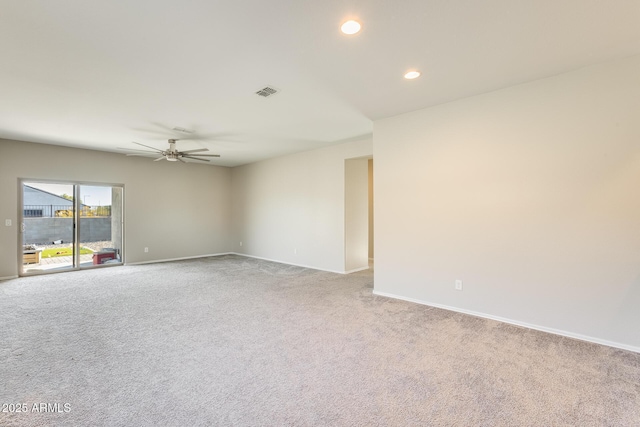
(90, 194)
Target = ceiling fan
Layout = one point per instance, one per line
(173, 155)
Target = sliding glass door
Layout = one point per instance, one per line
(100, 227)
(68, 226)
(48, 236)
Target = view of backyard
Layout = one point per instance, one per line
(51, 226)
(61, 255)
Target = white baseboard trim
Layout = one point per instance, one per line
(355, 270)
(516, 322)
(290, 263)
(8, 278)
(155, 261)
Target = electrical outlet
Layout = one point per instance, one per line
(458, 285)
(240, 243)
(7, 222)
(295, 251)
(146, 249)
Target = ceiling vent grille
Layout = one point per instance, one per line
(267, 91)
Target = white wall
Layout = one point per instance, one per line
(292, 209)
(530, 195)
(356, 214)
(177, 210)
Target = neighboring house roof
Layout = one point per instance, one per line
(59, 199)
(50, 194)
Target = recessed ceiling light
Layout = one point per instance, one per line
(350, 27)
(412, 75)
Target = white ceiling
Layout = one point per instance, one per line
(101, 74)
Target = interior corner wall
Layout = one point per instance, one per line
(530, 195)
(291, 209)
(169, 207)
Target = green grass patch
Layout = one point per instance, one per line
(54, 252)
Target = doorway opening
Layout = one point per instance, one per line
(370, 188)
(358, 214)
(69, 226)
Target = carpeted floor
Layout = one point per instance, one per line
(237, 341)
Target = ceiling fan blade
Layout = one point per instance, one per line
(141, 155)
(180, 160)
(166, 128)
(195, 158)
(132, 149)
(148, 146)
(195, 151)
(159, 158)
(205, 155)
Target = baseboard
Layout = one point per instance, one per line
(515, 322)
(8, 278)
(176, 259)
(355, 270)
(290, 263)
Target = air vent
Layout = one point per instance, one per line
(267, 91)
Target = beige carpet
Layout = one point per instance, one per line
(237, 341)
